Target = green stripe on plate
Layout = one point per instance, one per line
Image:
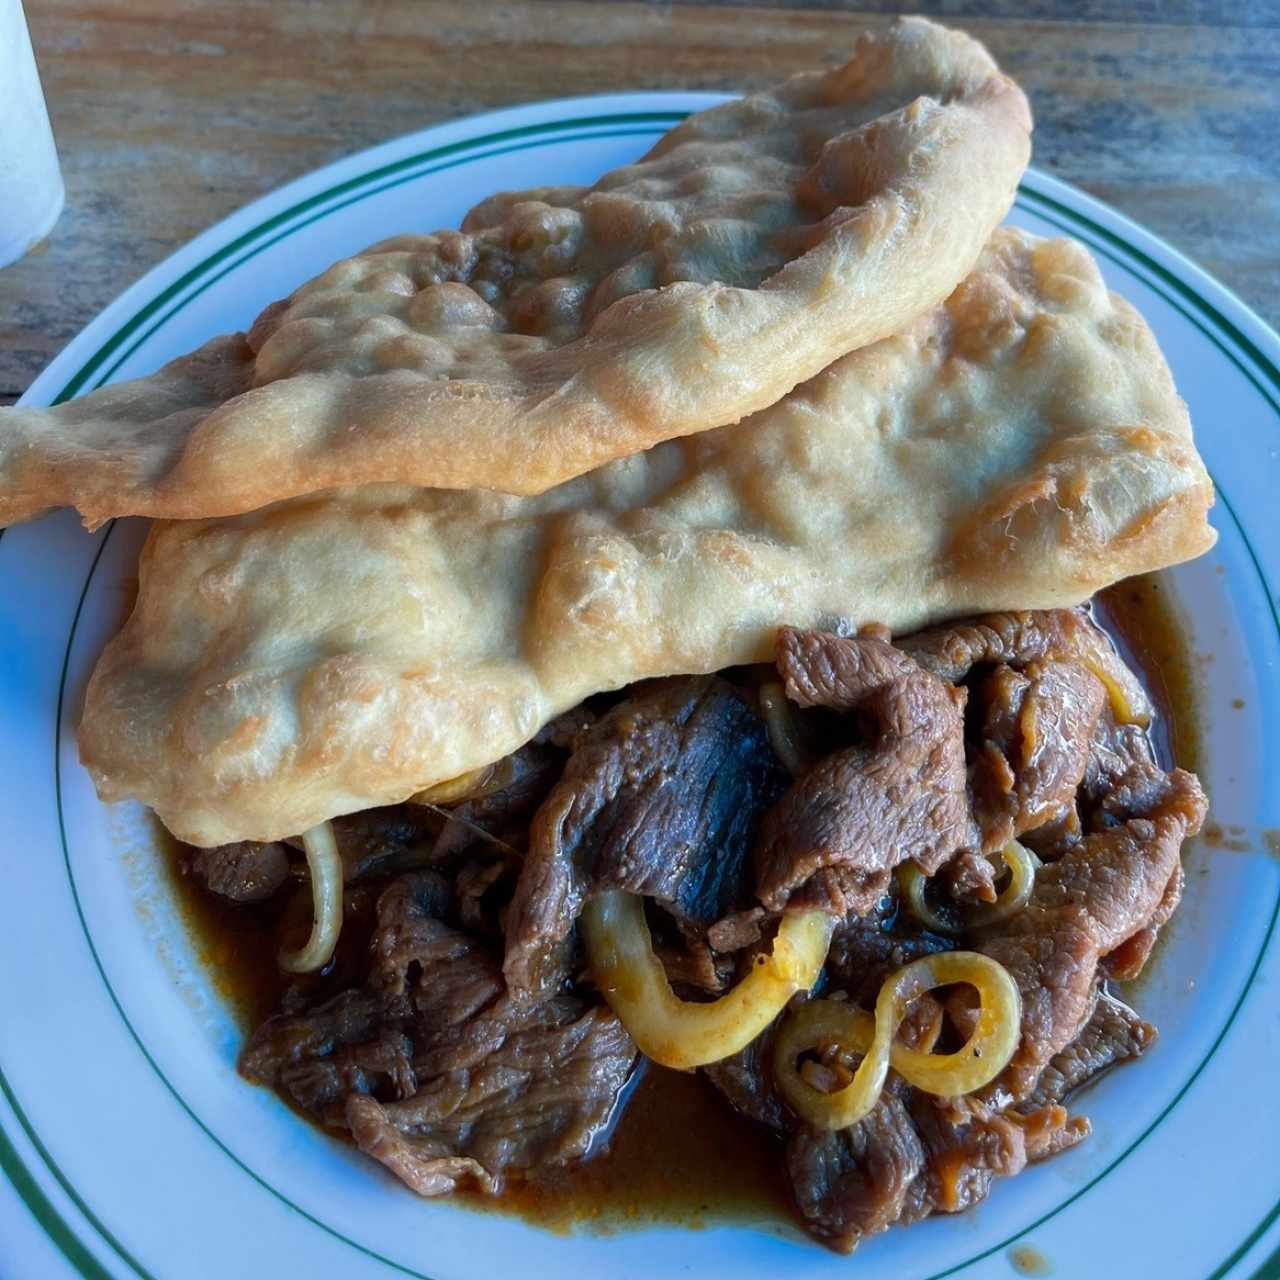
(39, 1204)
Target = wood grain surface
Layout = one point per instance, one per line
(170, 115)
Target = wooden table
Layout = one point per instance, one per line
(170, 115)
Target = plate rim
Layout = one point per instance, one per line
(1188, 283)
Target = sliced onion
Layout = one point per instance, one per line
(912, 883)
(784, 733)
(466, 786)
(675, 1032)
(1022, 865)
(821, 1024)
(324, 863)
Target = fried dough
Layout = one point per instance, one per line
(1020, 446)
(565, 327)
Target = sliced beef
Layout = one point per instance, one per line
(537, 1100)
(970, 878)
(433, 1068)
(1091, 901)
(484, 888)
(846, 1184)
(1057, 836)
(510, 794)
(1113, 1034)
(693, 963)
(746, 1080)
(242, 872)
(1129, 959)
(348, 1019)
(840, 830)
(454, 1063)
(966, 1151)
(864, 952)
(916, 1154)
(660, 799)
(378, 1066)
(1123, 779)
(1019, 639)
(566, 729)
(854, 1182)
(1037, 725)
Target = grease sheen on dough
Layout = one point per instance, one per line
(1020, 446)
(564, 327)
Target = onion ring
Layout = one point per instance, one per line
(1022, 864)
(822, 1023)
(679, 1033)
(324, 862)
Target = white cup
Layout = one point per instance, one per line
(31, 192)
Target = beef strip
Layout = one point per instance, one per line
(1057, 836)
(1118, 753)
(1036, 730)
(866, 950)
(916, 1154)
(839, 831)
(242, 872)
(380, 842)
(746, 1080)
(444, 1072)
(483, 888)
(535, 1101)
(1019, 639)
(970, 878)
(912, 1155)
(847, 1183)
(660, 799)
(1113, 1034)
(1129, 959)
(1096, 897)
(855, 1181)
(378, 1066)
(284, 1040)
(966, 1152)
(433, 1068)
(692, 963)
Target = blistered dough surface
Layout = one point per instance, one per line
(564, 327)
(1019, 446)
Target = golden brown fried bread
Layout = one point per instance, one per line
(1019, 446)
(565, 327)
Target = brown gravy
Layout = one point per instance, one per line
(677, 1153)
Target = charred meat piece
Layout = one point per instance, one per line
(842, 828)
(660, 799)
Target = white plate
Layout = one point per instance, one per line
(132, 1149)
